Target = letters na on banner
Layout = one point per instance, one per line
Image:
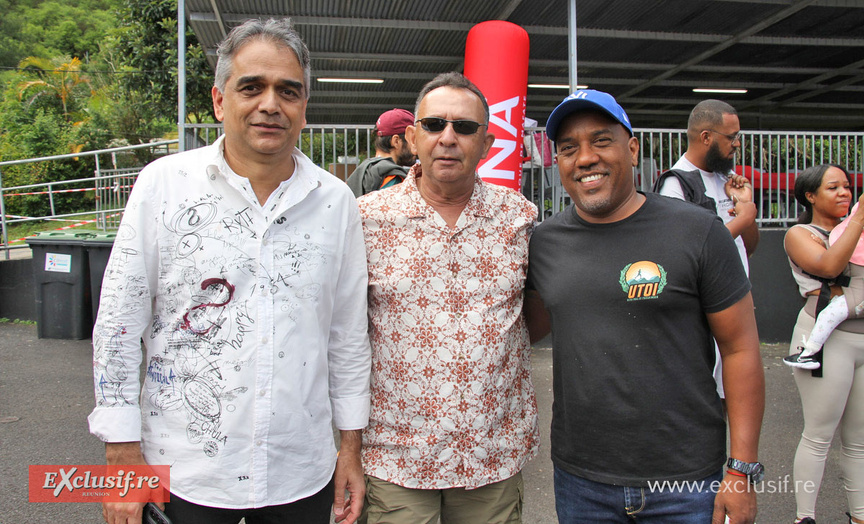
(496, 60)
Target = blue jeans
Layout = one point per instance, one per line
(581, 501)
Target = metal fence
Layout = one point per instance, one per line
(103, 195)
(771, 160)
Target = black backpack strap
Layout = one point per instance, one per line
(692, 186)
(821, 302)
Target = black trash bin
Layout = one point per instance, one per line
(98, 250)
(62, 278)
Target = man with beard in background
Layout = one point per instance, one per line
(713, 139)
(392, 158)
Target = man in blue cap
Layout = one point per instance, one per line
(638, 432)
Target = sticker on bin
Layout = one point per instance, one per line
(58, 262)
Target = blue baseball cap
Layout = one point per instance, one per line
(586, 99)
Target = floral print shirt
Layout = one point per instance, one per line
(452, 399)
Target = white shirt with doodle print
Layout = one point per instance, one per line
(254, 327)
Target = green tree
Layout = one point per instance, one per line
(50, 28)
(147, 43)
(118, 117)
(12, 49)
(57, 78)
(30, 131)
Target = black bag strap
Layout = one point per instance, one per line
(692, 186)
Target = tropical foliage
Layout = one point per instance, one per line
(86, 75)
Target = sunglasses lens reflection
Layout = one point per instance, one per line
(465, 127)
(437, 125)
(433, 125)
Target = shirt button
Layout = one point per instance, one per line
(262, 393)
(258, 443)
(263, 340)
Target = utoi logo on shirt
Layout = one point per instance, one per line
(642, 280)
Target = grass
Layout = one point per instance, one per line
(5, 320)
(26, 229)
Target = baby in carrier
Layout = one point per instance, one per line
(842, 307)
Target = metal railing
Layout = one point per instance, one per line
(770, 159)
(109, 189)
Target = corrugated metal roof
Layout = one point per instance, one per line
(802, 61)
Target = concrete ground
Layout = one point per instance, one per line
(17, 253)
(46, 394)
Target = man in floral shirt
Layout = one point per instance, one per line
(454, 418)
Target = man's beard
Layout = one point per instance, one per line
(405, 157)
(716, 162)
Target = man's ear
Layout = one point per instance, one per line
(217, 103)
(633, 145)
(487, 144)
(409, 137)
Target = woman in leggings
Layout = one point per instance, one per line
(836, 398)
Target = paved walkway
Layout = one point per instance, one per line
(46, 394)
(17, 253)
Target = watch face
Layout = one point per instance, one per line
(755, 471)
(757, 474)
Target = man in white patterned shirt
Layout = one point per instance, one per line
(242, 267)
(454, 418)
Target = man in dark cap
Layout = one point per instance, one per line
(392, 158)
(634, 284)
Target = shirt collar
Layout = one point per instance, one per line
(305, 177)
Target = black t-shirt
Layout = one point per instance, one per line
(635, 399)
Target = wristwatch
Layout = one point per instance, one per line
(754, 471)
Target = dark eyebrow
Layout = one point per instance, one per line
(251, 79)
(606, 131)
(594, 134)
(293, 83)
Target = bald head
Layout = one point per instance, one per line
(708, 114)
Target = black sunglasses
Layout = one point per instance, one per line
(434, 124)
